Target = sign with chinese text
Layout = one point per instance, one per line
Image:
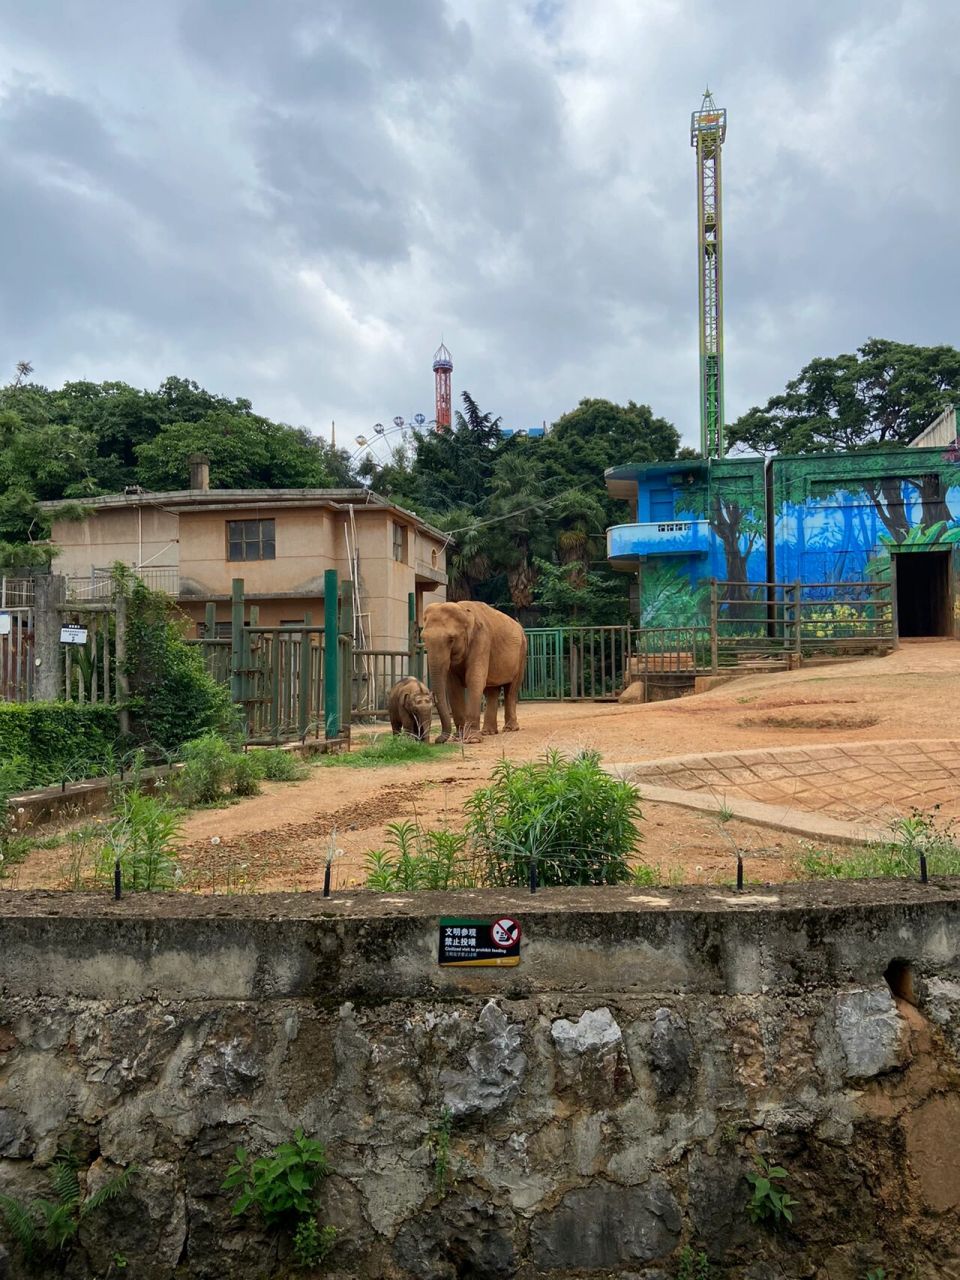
(479, 942)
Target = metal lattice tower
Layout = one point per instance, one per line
(708, 128)
(442, 369)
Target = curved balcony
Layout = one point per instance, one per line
(625, 542)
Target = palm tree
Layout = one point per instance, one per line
(579, 521)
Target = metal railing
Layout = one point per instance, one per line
(98, 585)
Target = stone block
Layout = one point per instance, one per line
(671, 1049)
(603, 1225)
(869, 1028)
(496, 1064)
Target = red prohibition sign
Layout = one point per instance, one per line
(505, 932)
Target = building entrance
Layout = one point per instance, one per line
(923, 593)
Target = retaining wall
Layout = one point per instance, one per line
(604, 1099)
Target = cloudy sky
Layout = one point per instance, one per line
(291, 200)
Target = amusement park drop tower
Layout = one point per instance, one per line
(708, 128)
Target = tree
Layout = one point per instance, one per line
(884, 394)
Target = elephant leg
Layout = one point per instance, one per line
(474, 692)
(510, 699)
(409, 722)
(396, 722)
(492, 695)
(455, 692)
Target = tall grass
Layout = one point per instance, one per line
(896, 858)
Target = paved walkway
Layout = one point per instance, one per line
(839, 791)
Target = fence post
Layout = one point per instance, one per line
(894, 610)
(797, 639)
(331, 642)
(48, 658)
(714, 628)
(346, 672)
(236, 641)
(120, 655)
(210, 621)
(304, 699)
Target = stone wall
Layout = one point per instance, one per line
(604, 1099)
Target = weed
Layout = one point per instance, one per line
(14, 846)
(311, 1242)
(769, 1201)
(878, 1273)
(693, 1266)
(644, 876)
(898, 857)
(419, 859)
(439, 1142)
(281, 1187)
(724, 813)
(388, 750)
(43, 1229)
(274, 765)
(575, 820)
(142, 836)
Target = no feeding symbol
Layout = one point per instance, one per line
(505, 932)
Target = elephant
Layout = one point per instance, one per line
(410, 705)
(471, 650)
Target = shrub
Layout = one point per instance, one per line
(274, 765)
(282, 1186)
(142, 835)
(58, 741)
(769, 1201)
(174, 697)
(575, 820)
(209, 764)
(245, 775)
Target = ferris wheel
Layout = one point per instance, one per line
(383, 440)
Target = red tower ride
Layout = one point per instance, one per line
(442, 369)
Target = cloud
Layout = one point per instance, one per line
(291, 202)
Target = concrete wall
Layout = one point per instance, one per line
(133, 535)
(604, 1099)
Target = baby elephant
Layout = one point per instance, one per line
(411, 708)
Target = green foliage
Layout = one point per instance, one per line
(669, 599)
(58, 741)
(13, 846)
(312, 1243)
(769, 1201)
(877, 1273)
(274, 765)
(44, 1228)
(590, 599)
(281, 1187)
(142, 835)
(921, 538)
(281, 1184)
(418, 859)
(246, 775)
(175, 698)
(208, 769)
(693, 1266)
(884, 394)
(439, 1142)
(388, 749)
(898, 857)
(572, 817)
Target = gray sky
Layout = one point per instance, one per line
(291, 200)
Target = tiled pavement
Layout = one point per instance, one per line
(865, 781)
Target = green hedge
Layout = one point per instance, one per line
(57, 740)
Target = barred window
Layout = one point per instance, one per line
(399, 543)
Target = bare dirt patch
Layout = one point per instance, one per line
(813, 720)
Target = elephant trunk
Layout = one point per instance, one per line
(439, 664)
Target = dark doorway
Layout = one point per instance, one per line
(923, 593)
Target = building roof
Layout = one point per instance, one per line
(181, 501)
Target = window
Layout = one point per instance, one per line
(661, 504)
(399, 543)
(251, 540)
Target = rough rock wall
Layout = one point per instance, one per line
(594, 1129)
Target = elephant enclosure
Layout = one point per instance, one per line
(279, 840)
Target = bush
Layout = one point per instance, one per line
(59, 740)
(274, 765)
(419, 859)
(209, 764)
(174, 697)
(245, 775)
(575, 820)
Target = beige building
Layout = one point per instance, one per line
(192, 544)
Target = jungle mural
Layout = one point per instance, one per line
(835, 518)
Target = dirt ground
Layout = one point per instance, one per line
(279, 840)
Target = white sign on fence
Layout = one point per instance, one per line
(73, 635)
(6, 624)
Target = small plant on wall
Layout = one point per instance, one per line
(769, 1201)
(281, 1187)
